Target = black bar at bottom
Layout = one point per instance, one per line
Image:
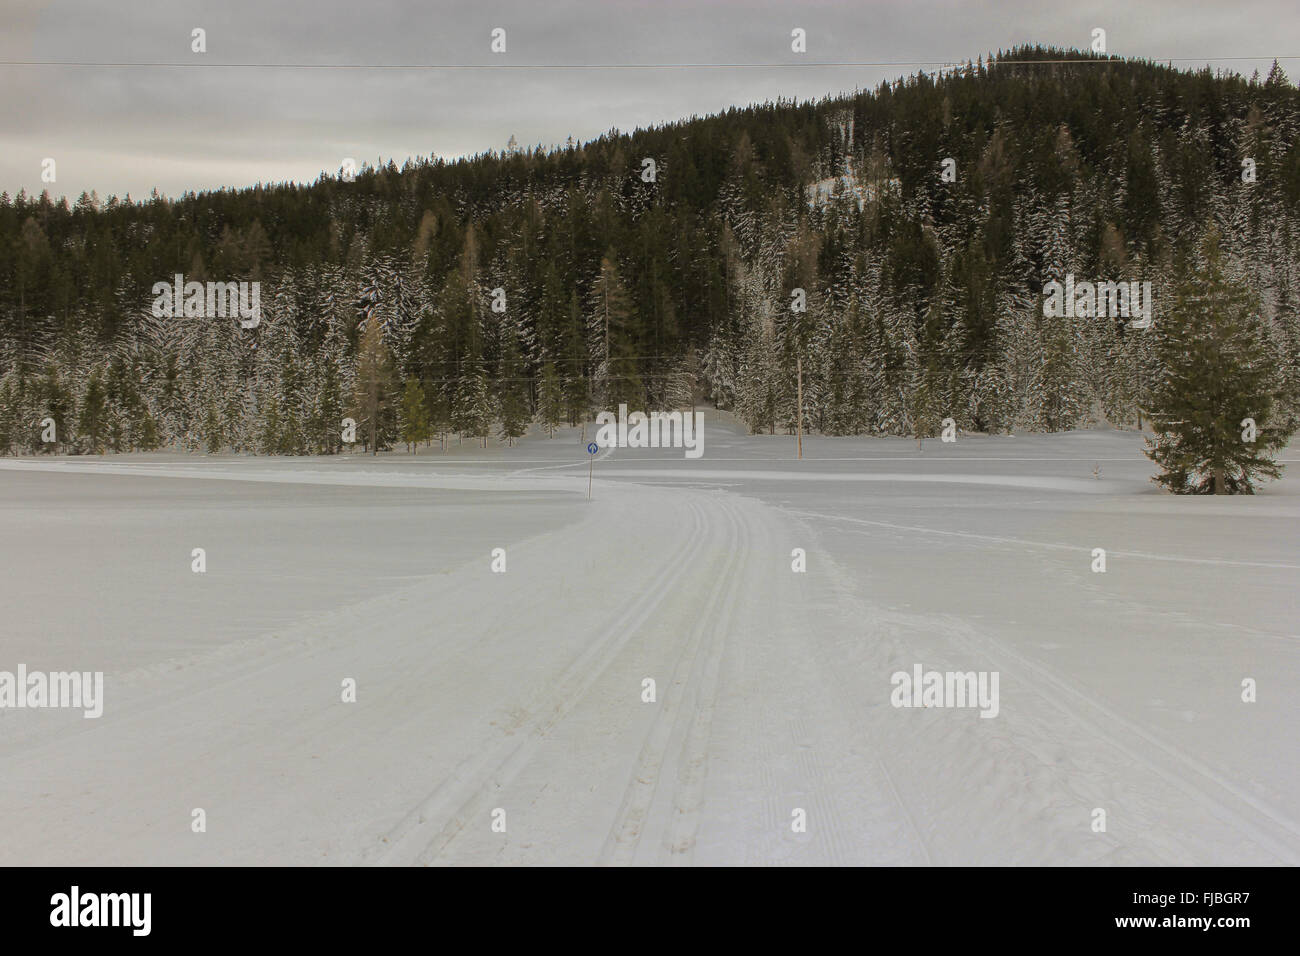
(332, 906)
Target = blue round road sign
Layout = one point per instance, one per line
(592, 448)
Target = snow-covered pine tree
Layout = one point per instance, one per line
(757, 388)
(575, 365)
(473, 412)
(550, 400)
(512, 388)
(611, 325)
(373, 395)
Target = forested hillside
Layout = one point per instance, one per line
(475, 296)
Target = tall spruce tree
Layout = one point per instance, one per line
(612, 324)
(512, 399)
(374, 387)
(550, 400)
(415, 415)
(473, 413)
(93, 420)
(1215, 407)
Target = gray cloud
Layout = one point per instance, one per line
(119, 129)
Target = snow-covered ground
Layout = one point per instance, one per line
(522, 691)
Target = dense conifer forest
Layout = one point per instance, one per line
(475, 296)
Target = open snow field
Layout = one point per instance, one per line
(522, 691)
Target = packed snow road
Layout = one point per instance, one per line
(503, 708)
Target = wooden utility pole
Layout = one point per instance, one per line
(798, 365)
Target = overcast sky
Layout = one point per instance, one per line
(119, 129)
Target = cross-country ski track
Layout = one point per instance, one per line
(522, 692)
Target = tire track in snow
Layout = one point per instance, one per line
(449, 805)
(780, 724)
(842, 590)
(1021, 543)
(1268, 827)
(1250, 816)
(692, 764)
(621, 843)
